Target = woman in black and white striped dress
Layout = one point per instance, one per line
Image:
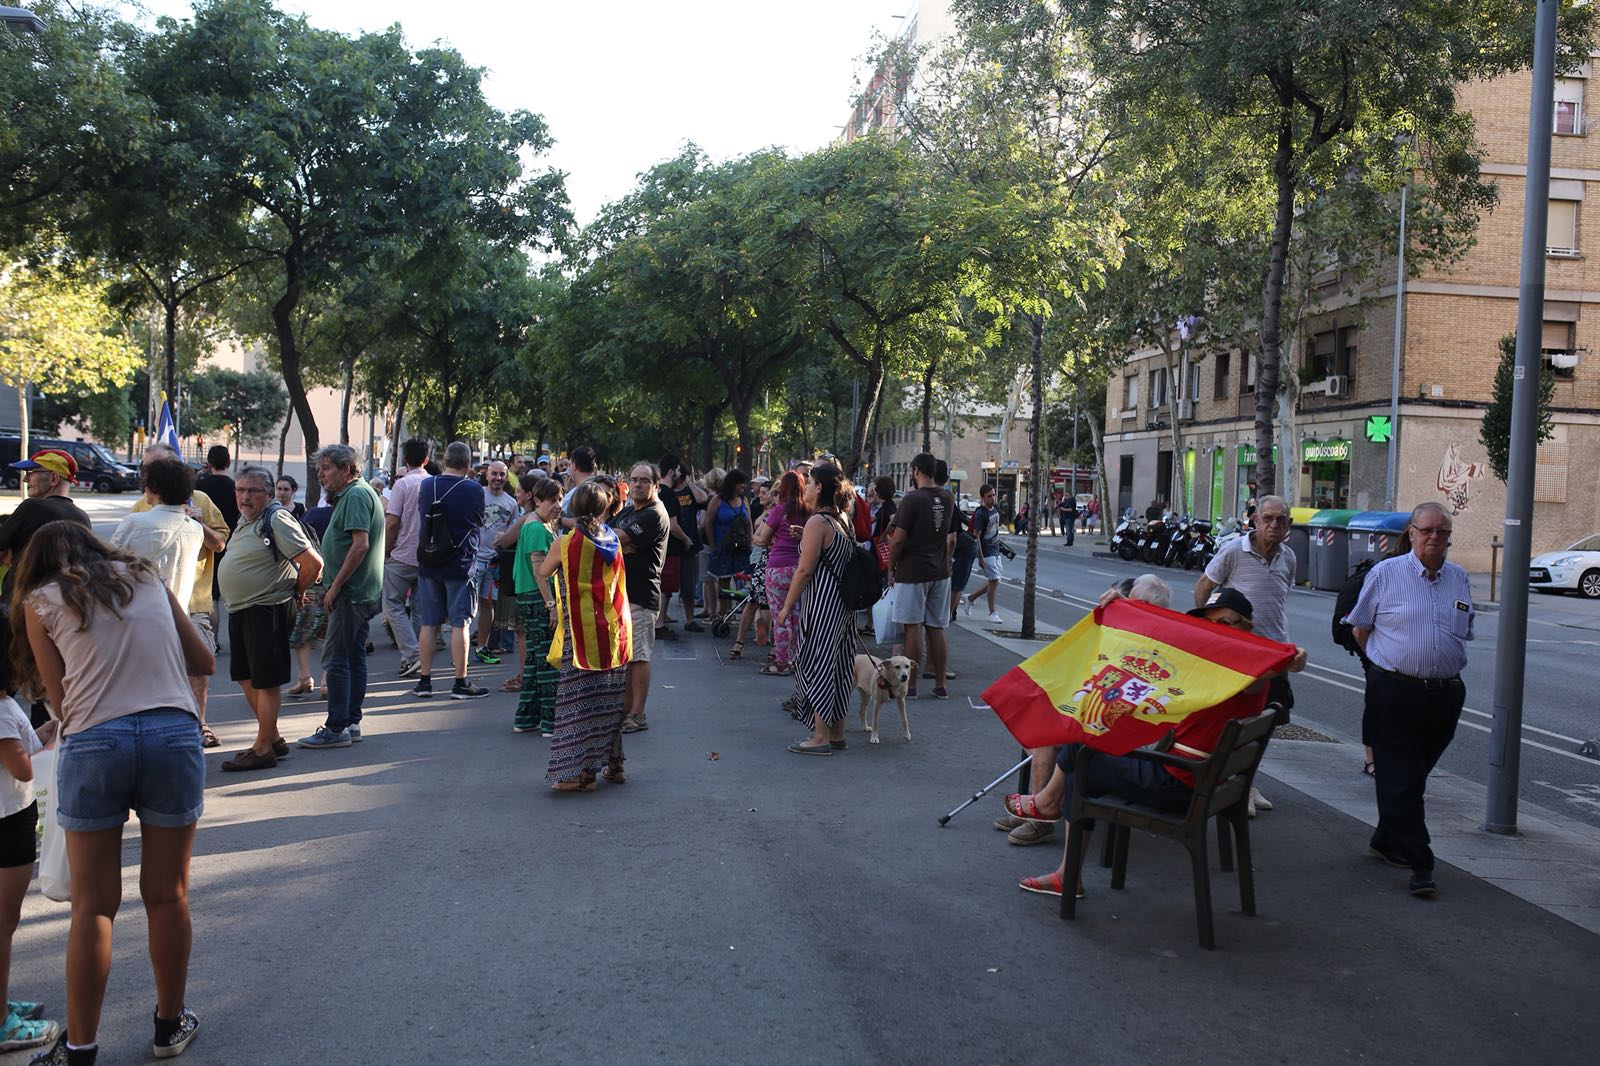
(827, 633)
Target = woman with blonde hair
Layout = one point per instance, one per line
(113, 652)
(595, 641)
(827, 626)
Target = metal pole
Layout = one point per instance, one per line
(1510, 662)
(1074, 474)
(1392, 476)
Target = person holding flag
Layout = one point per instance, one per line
(1122, 678)
(593, 642)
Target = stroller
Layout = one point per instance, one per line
(737, 590)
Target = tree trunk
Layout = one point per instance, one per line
(927, 405)
(1272, 296)
(1288, 395)
(1105, 483)
(745, 457)
(1174, 400)
(289, 361)
(872, 433)
(1035, 496)
(858, 432)
(708, 442)
(169, 309)
(283, 439)
(399, 427)
(347, 383)
(833, 434)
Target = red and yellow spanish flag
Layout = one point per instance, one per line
(593, 591)
(1127, 673)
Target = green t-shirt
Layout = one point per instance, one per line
(534, 536)
(357, 507)
(248, 574)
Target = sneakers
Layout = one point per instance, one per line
(485, 656)
(634, 724)
(424, 688)
(466, 690)
(324, 738)
(941, 693)
(249, 760)
(172, 1038)
(58, 1055)
(966, 606)
(1031, 832)
(25, 1008)
(280, 748)
(994, 616)
(19, 1032)
(354, 729)
(1422, 885)
(408, 667)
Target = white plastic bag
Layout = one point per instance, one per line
(883, 625)
(55, 878)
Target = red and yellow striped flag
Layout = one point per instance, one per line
(1127, 673)
(594, 593)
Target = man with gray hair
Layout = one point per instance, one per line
(445, 592)
(352, 577)
(1262, 567)
(264, 575)
(1413, 620)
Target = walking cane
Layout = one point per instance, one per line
(978, 795)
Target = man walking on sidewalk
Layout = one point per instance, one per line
(1413, 621)
(401, 523)
(1262, 567)
(920, 547)
(445, 593)
(986, 526)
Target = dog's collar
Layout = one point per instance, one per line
(882, 683)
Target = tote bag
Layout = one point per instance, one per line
(55, 877)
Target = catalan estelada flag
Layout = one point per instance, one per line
(594, 598)
(1127, 673)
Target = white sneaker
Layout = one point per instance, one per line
(1258, 801)
(966, 606)
(994, 616)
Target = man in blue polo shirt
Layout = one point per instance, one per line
(445, 593)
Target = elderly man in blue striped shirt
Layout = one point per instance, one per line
(1413, 620)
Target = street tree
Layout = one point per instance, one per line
(1494, 432)
(249, 404)
(58, 334)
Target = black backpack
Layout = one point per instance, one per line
(435, 548)
(861, 584)
(1344, 633)
(738, 539)
(270, 538)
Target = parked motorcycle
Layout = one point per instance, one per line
(1232, 530)
(1157, 535)
(1178, 546)
(1125, 538)
(1202, 545)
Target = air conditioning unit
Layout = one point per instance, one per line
(1185, 410)
(1338, 385)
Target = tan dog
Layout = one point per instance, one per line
(879, 680)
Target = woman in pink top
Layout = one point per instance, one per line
(112, 651)
(779, 532)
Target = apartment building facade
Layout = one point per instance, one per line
(1450, 329)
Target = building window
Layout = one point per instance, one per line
(1561, 234)
(1219, 388)
(1130, 395)
(1569, 107)
(1247, 382)
(1158, 388)
(1194, 380)
(1556, 348)
(1333, 352)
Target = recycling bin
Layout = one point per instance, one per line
(1300, 542)
(1330, 548)
(1375, 534)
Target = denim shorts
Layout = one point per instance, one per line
(149, 762)
(440, 600)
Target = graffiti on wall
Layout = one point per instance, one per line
(1455, 478)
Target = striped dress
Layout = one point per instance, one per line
(594, 644)
(822, 677)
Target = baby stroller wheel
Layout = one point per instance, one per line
(720, 628)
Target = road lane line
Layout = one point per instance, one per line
(1102, 573)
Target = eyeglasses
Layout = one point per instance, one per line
(1431, 531)
(1274, 519)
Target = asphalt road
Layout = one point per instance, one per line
(1560, 710)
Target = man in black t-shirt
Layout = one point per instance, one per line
(920, 547)
(691, 498)
(642, 529)
(218, 486)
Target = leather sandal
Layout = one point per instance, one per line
(1050, 884)
(1027, 807)
(208, 739)
(737, 651)
(577, 784)
(613, 773)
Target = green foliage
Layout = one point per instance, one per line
(1495, 431)
(250, 404)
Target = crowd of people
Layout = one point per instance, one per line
(574, 570)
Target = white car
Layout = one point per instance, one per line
(1575, 569)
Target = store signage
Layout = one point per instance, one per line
(1379, 429)
(1247, 454)
(1325, 451)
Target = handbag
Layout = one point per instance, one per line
(55, 876)
(1004, 549)
(884, 627)
(882, 548)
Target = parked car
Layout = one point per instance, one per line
(97, 468)
(1574, 569)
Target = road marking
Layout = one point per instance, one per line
(1102, 573)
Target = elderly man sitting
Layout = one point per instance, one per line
(1140, 780)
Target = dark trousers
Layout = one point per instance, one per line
(1279, 692)
(1410, 727)
(1136, 780)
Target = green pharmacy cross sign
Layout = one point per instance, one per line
(1379, 429)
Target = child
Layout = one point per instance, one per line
(19, 847)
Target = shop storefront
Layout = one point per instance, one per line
(1325, 473)
(1247, 474)
(1218, 490)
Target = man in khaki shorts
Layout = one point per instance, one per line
(642, 528)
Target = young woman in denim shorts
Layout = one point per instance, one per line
(115, 674)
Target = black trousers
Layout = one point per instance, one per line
(1410, 727)
(1279, 692)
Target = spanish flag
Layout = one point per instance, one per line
(593, 592)
(1127, 673)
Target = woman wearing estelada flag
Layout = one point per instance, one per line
(1124, 677)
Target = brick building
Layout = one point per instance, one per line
(1452, 322)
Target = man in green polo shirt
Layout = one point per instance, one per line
(353, 574)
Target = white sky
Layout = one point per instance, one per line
(623, 84)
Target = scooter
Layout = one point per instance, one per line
(1178, 547)
(1232, 530)
(1125, 538)
(1202, 545)
(1157, 535)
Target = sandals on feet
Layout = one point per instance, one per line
(577, 784)
(511, 684)
(613, 773)
(1027, 807)
(208, 739)
(737, 651)
(1050, 884)
(774, 669)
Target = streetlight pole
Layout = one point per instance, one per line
(1392, 475)
(1510, 661)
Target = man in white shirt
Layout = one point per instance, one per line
(166, 534)
(499, 512)
(402, 526)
